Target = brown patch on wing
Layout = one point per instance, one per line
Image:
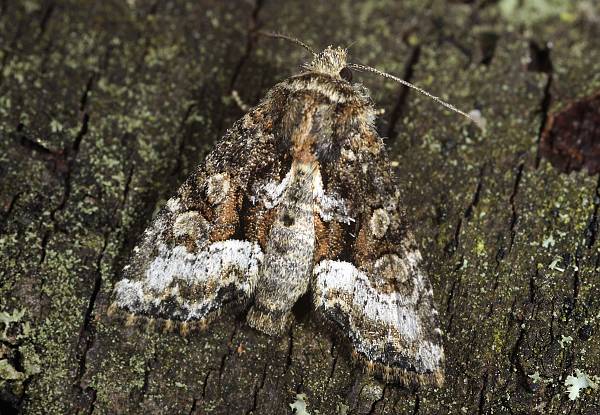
(367, 248)
(363, 248)
(258, 224)
(302, 138)
(330, 239)
(227, 217)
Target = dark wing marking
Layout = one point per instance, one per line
(376, 292)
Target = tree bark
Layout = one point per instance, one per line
(106, 106)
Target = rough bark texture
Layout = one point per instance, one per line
(106, 106)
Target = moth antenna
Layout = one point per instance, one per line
(416, 88)
(289, 38)
(351, 44)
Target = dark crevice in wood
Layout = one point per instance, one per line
(513, 208)
(182, 141)
(334, 357)
(86, 92)
(576, 281)
(591, 230)
(253, 26)
(515, 360)
(539, 58)
(452, 246)
(92, 404)
(487, 41)
(147, 372)
(193, 408)
(544, 110)
(205, 382)
(417, 404)
(82, 132)
(481, 405)
(532, 287)
(86, 335)
(377, 401)
(450, 303)
(257, 391)
(43, 247)
(9, 208)
(32, 145)
(45, 19)
(228, 353)
(290, 349)
(401, 101)
(469, 210)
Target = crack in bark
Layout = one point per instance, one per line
(544, 109)
(147, 371)
(193, 408)
(45, 19)
(514, 216)
(43, 247)
(228, 353)
(417, 404)
(205, 382)
(449, 304)
(452, 246)
(469, 210)
(257, 391)
(481, 405)
(182, 142)
(334, 356)
(86, 335)
(290, 351)
(253, 26)
(9, 208)
(86, 92)
(92, 405)
(374, 404)
(515, 360)
(591, 229)
(576, 282)
(22, 139)
(403, 95)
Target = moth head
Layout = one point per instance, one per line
(331, 61)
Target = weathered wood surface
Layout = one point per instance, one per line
(106, 106)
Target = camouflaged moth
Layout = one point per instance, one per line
(298, 196)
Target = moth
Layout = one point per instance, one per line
(298, 197)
